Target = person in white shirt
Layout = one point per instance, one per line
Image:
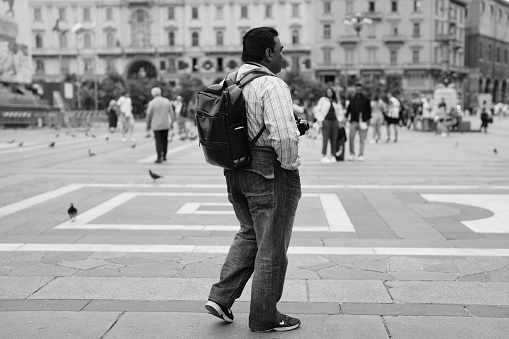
(126, 109)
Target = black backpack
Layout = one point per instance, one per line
(222, 122)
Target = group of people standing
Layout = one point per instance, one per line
(332, 119)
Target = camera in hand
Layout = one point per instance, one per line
(302, 125)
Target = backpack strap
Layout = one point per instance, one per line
(250, 76)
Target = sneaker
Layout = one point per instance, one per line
(325, 160)
(361, 158)
(351, 157)
(219, 311)
(286, 324)
(339, 152)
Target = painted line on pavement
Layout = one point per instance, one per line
(134, 248)
(337, 218)
(497, 203)
(171, 151)
(21, 205)
(142, 227)
(193, 208)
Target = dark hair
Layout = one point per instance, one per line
(256, 41)
(376, 97)
(358, 84)
(333, 98)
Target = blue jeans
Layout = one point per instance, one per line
(354, 128)
(265, 198)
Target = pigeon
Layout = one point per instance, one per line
(495, 151)
(73, 135)
(52, 144)
(90, 153)
(11, 141)
(133, 146)
(20, 144)
(154, 176)
(72, 211)
(86, 134)
(93, 135)
(107, 138)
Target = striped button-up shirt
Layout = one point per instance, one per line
(268, 101)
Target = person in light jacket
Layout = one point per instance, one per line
(328, 113)
(159, 118)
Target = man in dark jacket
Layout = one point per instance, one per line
(358, 114)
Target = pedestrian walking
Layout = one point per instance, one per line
(392, 117)
(378, 108)
(328, 113)
(159, 119)
(358, 114)
(486, 118)
(125, 105)
(112, 112)
(264, 195)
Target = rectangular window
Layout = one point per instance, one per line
(394, 6)
(349, 57)
(416, 30)
(63, 40)
(220, 66)
(109, 14)
(65, 69)
(295, 63)
(372, 56)
(326, 57)
(37, 14)
(371, 6)
(268, 10)
(171, 66)
(110, 65)
(195, 65)
(162, 65)
(39, 66)
(194, 13)
(349, 7)
(417, 5)
(415, 56)
(326, 31)
(219, 12)
(171, 13)
(394, 57)
(88, 65)
(295, 10)
(326, 7)
(243, 12)
(61, 14)
(86, 14)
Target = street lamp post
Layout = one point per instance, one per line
(357, 21)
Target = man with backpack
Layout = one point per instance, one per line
(264, 194)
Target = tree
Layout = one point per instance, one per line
(303, 87)
(110, 88)
(189, 87)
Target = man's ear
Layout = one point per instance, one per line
(268, 54)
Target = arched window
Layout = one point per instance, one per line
(171, 38)
(195, 39)
(38, 40)
(140, 29)
(295, 37)
(219, 38)
(110, 39)
(87, 40)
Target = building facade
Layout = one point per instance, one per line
(159, 38)
(421, 41)
(487, 43)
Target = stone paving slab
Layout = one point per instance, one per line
(11, 305)
(404, 309)
(446, 327)
(29, 325)
(488, 311)
(160, 325)
(21, 287)
(348, 291)
(449, 292)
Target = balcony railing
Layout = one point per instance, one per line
(394, 38)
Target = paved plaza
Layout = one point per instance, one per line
(411, 243)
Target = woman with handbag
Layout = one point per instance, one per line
(328, 113)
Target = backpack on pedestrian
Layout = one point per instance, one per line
(222, 122)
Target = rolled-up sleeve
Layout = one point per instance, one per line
(278, 117)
